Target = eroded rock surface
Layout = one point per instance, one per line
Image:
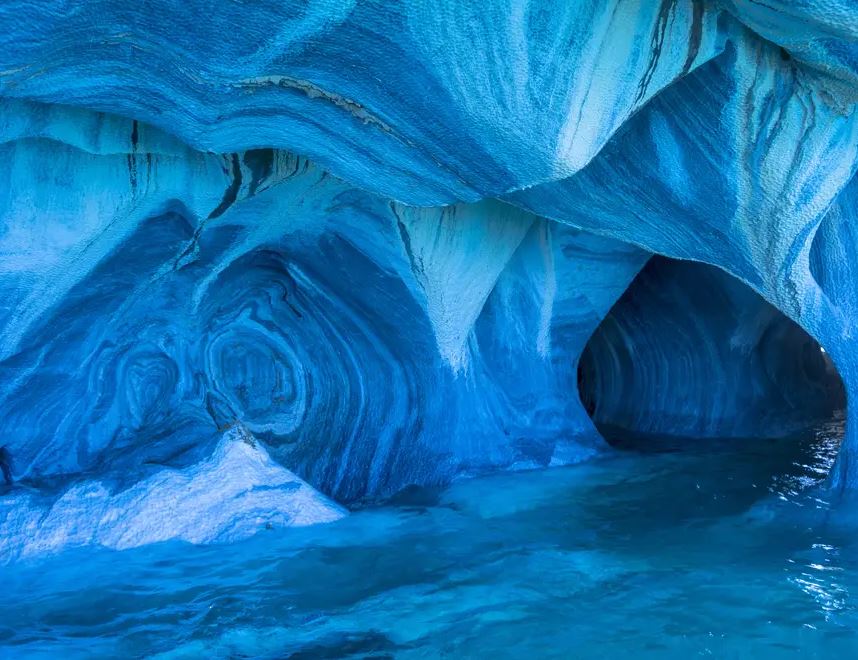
(379, 238)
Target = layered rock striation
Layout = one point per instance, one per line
(378, 238)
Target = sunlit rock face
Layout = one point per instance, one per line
(377, 239)
(171, 504)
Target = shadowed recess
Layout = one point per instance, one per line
(688, 351)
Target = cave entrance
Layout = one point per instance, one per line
(689, 352)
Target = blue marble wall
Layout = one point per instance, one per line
(371, 241)
(745, 369)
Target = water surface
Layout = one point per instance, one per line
(665, 549)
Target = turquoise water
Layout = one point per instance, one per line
(666, 549)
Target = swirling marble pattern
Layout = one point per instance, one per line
(427, 102)
(785, 150)
(746, 370)
(378, 238)
(285, 310)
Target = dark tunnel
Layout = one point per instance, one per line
(690, 352)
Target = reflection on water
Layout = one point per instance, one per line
(668, 549)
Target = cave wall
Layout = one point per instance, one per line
(371, 242)
(426, 102)
(690, 351)
(177, 295)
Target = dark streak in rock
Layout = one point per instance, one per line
(655, 48)
(231, 193)
(313, 91)
(406, 239)
(6, 465)
(229, 197)
(695, 38)
(260, 162)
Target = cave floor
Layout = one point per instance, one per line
(666, 549)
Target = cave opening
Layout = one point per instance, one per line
(689, 354)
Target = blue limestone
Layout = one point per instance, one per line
(425, 102)
(689, 323)
(171, 504)
(375, 240)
